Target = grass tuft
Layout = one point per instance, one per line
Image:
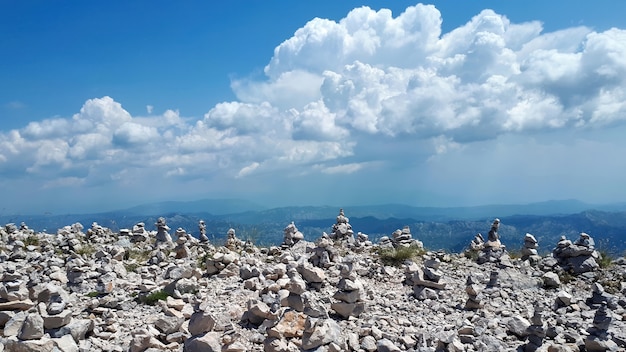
(397, 256)
(154, 297)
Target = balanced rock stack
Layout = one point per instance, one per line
(493, 249)
(292, 235)
(342, 230)
(599, 338)
(529, 251)
(400, 239)
(350, 292)
(232, 242)
(324, 254)
(578, 257)
(139, 233)
(202, 237)
(403, 238)
(425, 281)
(536, 331)
(182, 243)
(473, 290)
(162, 235)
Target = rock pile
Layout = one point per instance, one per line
(139, 233)
(106, 291)
(162, 235)
(342, 230)
(578, 257)
(292, 235)
(425, 281)
(529, 250)
(350, 292)
(400, 238)
(599, 338)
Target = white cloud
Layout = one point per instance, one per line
(248, 169)
(134, 134)
(340, 96)
(343, 169)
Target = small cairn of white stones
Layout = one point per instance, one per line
(400, 238)
(350, 293)
(342, 230)
(529, 251)
(292, 235)
(536, 331)
(425, 281)
(599, 338)
(475, 297)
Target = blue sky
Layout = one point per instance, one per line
(104, 106)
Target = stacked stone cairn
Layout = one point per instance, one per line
(324, 254)
(350, 293)
(342, 230)
(362, 242)
(139, 233)
(475, 297)
(183, 241)
(202, 232)
(427, 280)
(493, 250)
(162, 235)
(400, 238)
(536, 331)
(578, 257)
(478, 243)
(96, 233)
(292, 235)
(232, 242)
(599, 339)
(529, 250)
(600, 297)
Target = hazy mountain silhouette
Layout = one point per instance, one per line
(439, 228)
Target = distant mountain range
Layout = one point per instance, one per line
(439, 228)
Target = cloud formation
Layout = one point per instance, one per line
(370, 91)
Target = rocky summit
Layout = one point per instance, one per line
(148, 290)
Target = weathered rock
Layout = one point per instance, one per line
(32, 328)
(200, 323)
(319, 332)
(209, 342)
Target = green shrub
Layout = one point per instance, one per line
(154, 297)
(566, 277)
(93, 294)
(471, 255)
(86, 250)
(397, 256)
(32, 240)
(606, 258)
(131, 267)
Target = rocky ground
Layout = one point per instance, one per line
(96, 290)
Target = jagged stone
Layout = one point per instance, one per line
(32, 328)
(209, 342)
(319, 332)
(200, 323)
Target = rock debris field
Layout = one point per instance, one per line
(161, 290)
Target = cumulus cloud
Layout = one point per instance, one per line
(339, 95)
